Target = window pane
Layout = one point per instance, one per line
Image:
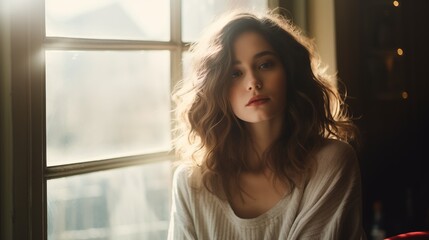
(197, 14)
(109, 19)
(105, 104)
(130, 203)
(186, 63)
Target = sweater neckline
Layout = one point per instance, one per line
(278, 209)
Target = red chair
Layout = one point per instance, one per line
(410, 236)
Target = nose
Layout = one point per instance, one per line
(253, 82)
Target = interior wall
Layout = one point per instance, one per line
(321, 27)
(296, 10)
(317, 20)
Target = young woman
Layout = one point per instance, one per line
(263, 139)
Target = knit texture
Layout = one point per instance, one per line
(327, 207)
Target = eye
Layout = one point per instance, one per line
(266, 65)
(236, 74)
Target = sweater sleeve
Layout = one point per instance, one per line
(181, 224)
(331, 203)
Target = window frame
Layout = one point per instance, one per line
(26, 207)
(30, 171)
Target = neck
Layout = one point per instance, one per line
(262, 135)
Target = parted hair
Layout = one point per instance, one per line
(209, 135)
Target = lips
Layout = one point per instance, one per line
(257, 100)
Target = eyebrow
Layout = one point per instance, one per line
(258, 55)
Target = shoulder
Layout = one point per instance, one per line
(335, 155)
(334, 166)
(335, 150)
(335, 147)
(182, 174)
(186, 175)
(331, 198)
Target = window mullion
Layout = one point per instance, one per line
(58, 43)
(176, 54)
(176, 21)
(105, 164)
(176, 39)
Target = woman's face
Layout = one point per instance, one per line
(258, 89)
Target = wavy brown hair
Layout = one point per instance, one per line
(211, 136)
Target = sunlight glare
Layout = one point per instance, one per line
(150, 9)
(65, 9)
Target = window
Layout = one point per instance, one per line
(92, 112)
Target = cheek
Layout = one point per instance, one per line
(233, 94)
(281, 82)
(281, 76)
(234, 98)
(276, 82)
(280, 88)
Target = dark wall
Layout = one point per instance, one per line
(390, 94)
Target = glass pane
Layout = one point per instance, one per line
(105, 104)
(130, 203)
(186, 62)
(109, 19)
(197, 14)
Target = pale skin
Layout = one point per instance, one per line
(257, 97)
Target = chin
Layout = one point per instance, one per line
(257, 120)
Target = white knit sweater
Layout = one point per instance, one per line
(327, 207)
